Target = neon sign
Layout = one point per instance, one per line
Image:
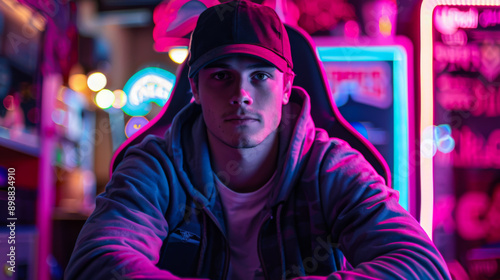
(489, 18)
(453, 55)
(135, 124)
(473, 150)
(457, 93)
(148, 85)
(455, 58)
(368, 84)
(448, 20)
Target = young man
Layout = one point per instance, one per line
(243, 186)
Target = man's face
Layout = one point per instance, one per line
(241, 99)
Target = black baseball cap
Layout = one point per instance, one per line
(239, 27)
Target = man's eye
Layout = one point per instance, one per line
(220, 75)
(261, 76)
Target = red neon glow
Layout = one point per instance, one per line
(469, 95)
(490, 60)
(385, 26)
(351, 29)
(478, 216)
(454, 58)
(319, 15)
(8, 102)
(458, 38)
(367, 84)
(472, 150)
(443, 214)
(380, 18)
(427, 89)
(448, 20)
(484, 58)
(471, 208)
(174, 20)
(489, 18)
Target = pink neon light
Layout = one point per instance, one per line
(174, 20)
(468, 95)
(8, 102)
(373, 83)
(46, 188)
(458, 38)
(489, 18)
(385, 26)
(456, 58)
(473, 150)
(448, 20)
(351, 29)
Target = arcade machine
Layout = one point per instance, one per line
(460, 132)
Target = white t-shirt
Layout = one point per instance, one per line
(244, 214)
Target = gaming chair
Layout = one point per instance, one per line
(310, 75)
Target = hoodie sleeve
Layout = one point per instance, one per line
(378, 237)
(123, 236)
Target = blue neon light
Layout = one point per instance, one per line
(148, 85)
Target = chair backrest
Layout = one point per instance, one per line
(310, 75)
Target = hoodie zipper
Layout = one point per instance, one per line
(201, 258)
(280, 241)
(226, 258)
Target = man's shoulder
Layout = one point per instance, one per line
(151, 146)
(324, 141)
(330, 150)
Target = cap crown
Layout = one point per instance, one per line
(239, 27)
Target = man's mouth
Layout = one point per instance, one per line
(241, 118)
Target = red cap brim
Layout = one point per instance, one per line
(244, 49)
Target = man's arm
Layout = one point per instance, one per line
(378, 237)
(123, 236)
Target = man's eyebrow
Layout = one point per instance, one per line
(227, 66)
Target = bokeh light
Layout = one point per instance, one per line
(134, 124)
(437, 138)
(104, 98)
(120, 99)
(428, 146)
(385, 26)
(178, 54)
(351, 29)
(78, 82)
(58, 116)
(97, 81)
(443, 139)
(8, 102)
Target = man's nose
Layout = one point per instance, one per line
(242, 97)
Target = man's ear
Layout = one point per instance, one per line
(286, 92)
(194, 90)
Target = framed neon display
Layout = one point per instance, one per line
(460, 132)
(375, 77)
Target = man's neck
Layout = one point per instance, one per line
(244, 170)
